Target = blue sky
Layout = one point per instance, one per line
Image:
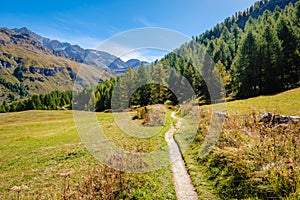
(87, 23)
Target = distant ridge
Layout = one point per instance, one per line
(31, 64)
(100, 59)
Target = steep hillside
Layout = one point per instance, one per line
(32, 64)
(240, 18)
(27, 67)
(72, 52)
(99, 59)
(258, 56)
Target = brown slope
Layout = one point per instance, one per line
(42, 71)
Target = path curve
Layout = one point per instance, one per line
(182, 181)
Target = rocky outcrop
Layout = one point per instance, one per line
(46, 71)
(9, 61)
(6, 64)
(277, 119)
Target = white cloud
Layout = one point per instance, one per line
(146, 44)
(149, 55)
(144, 22)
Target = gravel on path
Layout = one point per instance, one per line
(182, 181)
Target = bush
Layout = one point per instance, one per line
(157, 116)
(252, 159)
(152, 115)
(186, 109)
(19, 73)
(142, 112)
(169, 103)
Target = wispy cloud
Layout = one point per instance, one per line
(145, 22)
(61, 20)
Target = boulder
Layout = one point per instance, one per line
(277, 119)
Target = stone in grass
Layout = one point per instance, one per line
(278, 119)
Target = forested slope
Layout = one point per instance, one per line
(255, 52)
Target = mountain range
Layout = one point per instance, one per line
(87, 56)
(32, 64)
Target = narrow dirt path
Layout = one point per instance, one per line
(182, 181)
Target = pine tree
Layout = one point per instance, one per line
(220, 71)
(245, 67)
(20, 106)
(122, 93)
(91, 103)
(143, 81)
(37, 105)
(236, 37)
(178, 87)
(289, 73)
(222, 53)
(271, 52)
(159, 90)
(104, 96)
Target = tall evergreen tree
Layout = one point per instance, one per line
(143, 81)
(159, 90)
(290, 64)
(271, 52)
(221, 72)
(245, 67)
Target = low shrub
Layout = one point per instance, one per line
(251, 159)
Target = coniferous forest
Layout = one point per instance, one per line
(260, 57)
(257, 52)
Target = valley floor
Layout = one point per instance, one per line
(38, 147)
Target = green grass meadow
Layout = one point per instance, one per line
(285, 103)
(250, 160)
(37, 146)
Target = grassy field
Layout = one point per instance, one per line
(285, 103)
(37, 146)
(250, 160)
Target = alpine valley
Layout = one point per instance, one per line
(31, 64)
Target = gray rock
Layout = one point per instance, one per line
(278, 119)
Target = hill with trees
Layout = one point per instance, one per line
(262, 56)
(259, 58)
(255, 52)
